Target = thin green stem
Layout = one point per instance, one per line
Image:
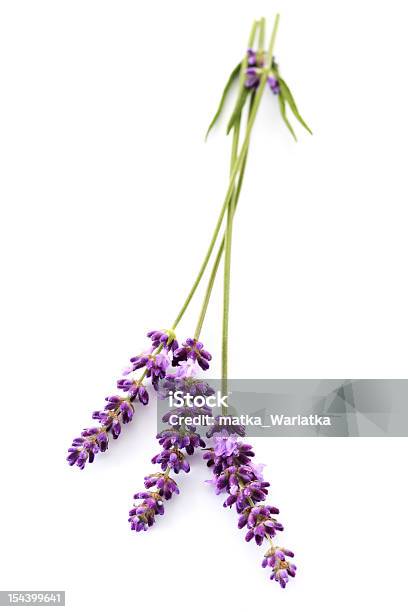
(228, 232)
(237, 167)
(227, 263)
(225, 315)
(252, 34)
(208, 292)
(214, 270)
(261, 34)
(223, 209)
(273, 40)
(221, 249)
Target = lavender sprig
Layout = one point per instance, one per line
(234, 473)
(119, 409)
(177, 441)
(256, 64)
(233, 470)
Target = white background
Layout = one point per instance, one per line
(109, 196)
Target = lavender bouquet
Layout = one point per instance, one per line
(165, 366)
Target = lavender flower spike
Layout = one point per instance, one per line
(142, 517)
(119, 410)
(235, 474)
(275, 558)
(85, 448)
(177, 443)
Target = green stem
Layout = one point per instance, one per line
(227, 269)
(228, 232)
(216, 265)
(208, 292)
(203, 266)
(234, 172)
(221, 249)
(261, 34)
(236, 195)
(217, 261)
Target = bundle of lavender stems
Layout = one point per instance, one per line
(167, 366)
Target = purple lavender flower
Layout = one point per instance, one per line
(156, 364)
(252, 57)
(176, 442)
(275, 558)
(116, 410)
(183, 439)
(254, 492)
(142, 516)
(135, 389)
(253, 77)
(186, 370)
(260, 523)
(166, 337)
(119, 410)
(172, 458)
(235, 474)
(236, 454)
(194, 350)
(256, 63)
(256, 60)
(220, 429)
(274, 84)
(166, 486)
(85, 448)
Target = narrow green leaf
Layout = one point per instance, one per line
(234, 74)
(238, 109)
(282, 107)
(287, 94)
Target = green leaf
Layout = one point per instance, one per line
(282, 107)
(238, 109)
(234, 74)
(287, 94)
